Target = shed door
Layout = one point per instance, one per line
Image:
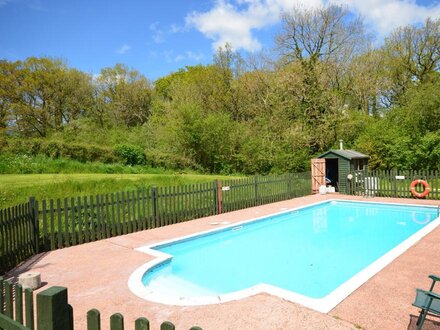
(318, 174)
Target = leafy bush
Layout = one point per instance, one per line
(171, 160)
(130, 154)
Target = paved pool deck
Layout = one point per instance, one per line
(96, 276)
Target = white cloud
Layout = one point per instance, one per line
(176, 28)
(36, 5)
(234, 21)
(383, 16)
(123, 49)
(158, 34)
(188, 56)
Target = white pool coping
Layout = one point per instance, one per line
(323, 305)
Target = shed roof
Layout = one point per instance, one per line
(347, 154)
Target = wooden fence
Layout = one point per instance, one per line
(243, 193)
(53, 312)
(52, 224)
(18, 234)
(393, 183)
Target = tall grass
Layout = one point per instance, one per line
(23, 176)
(23, 164)
(17, 188)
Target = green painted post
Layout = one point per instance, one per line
(1, 295)
(44, 213)
(53, 310)
(112, 200)
(66, 222)
(80, 215)
(134, 221)
(73, 219)
(196, 328)
(98, 217)
(108, 218)
(167, 325)
(117, 322)
(215, 197)
(86, 220)
(8, 299)
(29, 308)
(256, 189)
(19, 303)
(93, 320)
(52, 225)
(60, 223)
(35, 223)
(141, 324)
(154, 197)
(124, 223)
(70, 314)
(129, 221)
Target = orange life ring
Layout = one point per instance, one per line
(417, 194)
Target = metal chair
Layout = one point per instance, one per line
(427, 301)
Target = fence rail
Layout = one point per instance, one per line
(57, 223)
(53, 312)
(393, 183)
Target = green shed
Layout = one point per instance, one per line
(339, 163)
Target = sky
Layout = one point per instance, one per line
(157, 37)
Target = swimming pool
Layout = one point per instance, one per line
(315, 255)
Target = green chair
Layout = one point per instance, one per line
(427, 301)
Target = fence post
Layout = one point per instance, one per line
(167, 325)
(215, 195)
(2, 304)
(93, 319)
(33, 208)
(53, 310)
(289, 184)
(219, 197)
(256, 189)
(154, 197)
(117, 322)
(141, 323)
(29, 307)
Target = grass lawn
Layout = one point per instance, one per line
(17, 188)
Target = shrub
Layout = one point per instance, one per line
(160, 159)
(130, 154)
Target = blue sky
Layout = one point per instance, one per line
(159, 37)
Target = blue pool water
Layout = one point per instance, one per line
(310, 251)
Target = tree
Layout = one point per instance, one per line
(45, 95)
(322, 41)
(326, 34)
(229, 66)
(365, 82)
(412, 55)
(122, 96)
(8, 90)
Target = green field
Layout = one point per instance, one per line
(17, 188)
